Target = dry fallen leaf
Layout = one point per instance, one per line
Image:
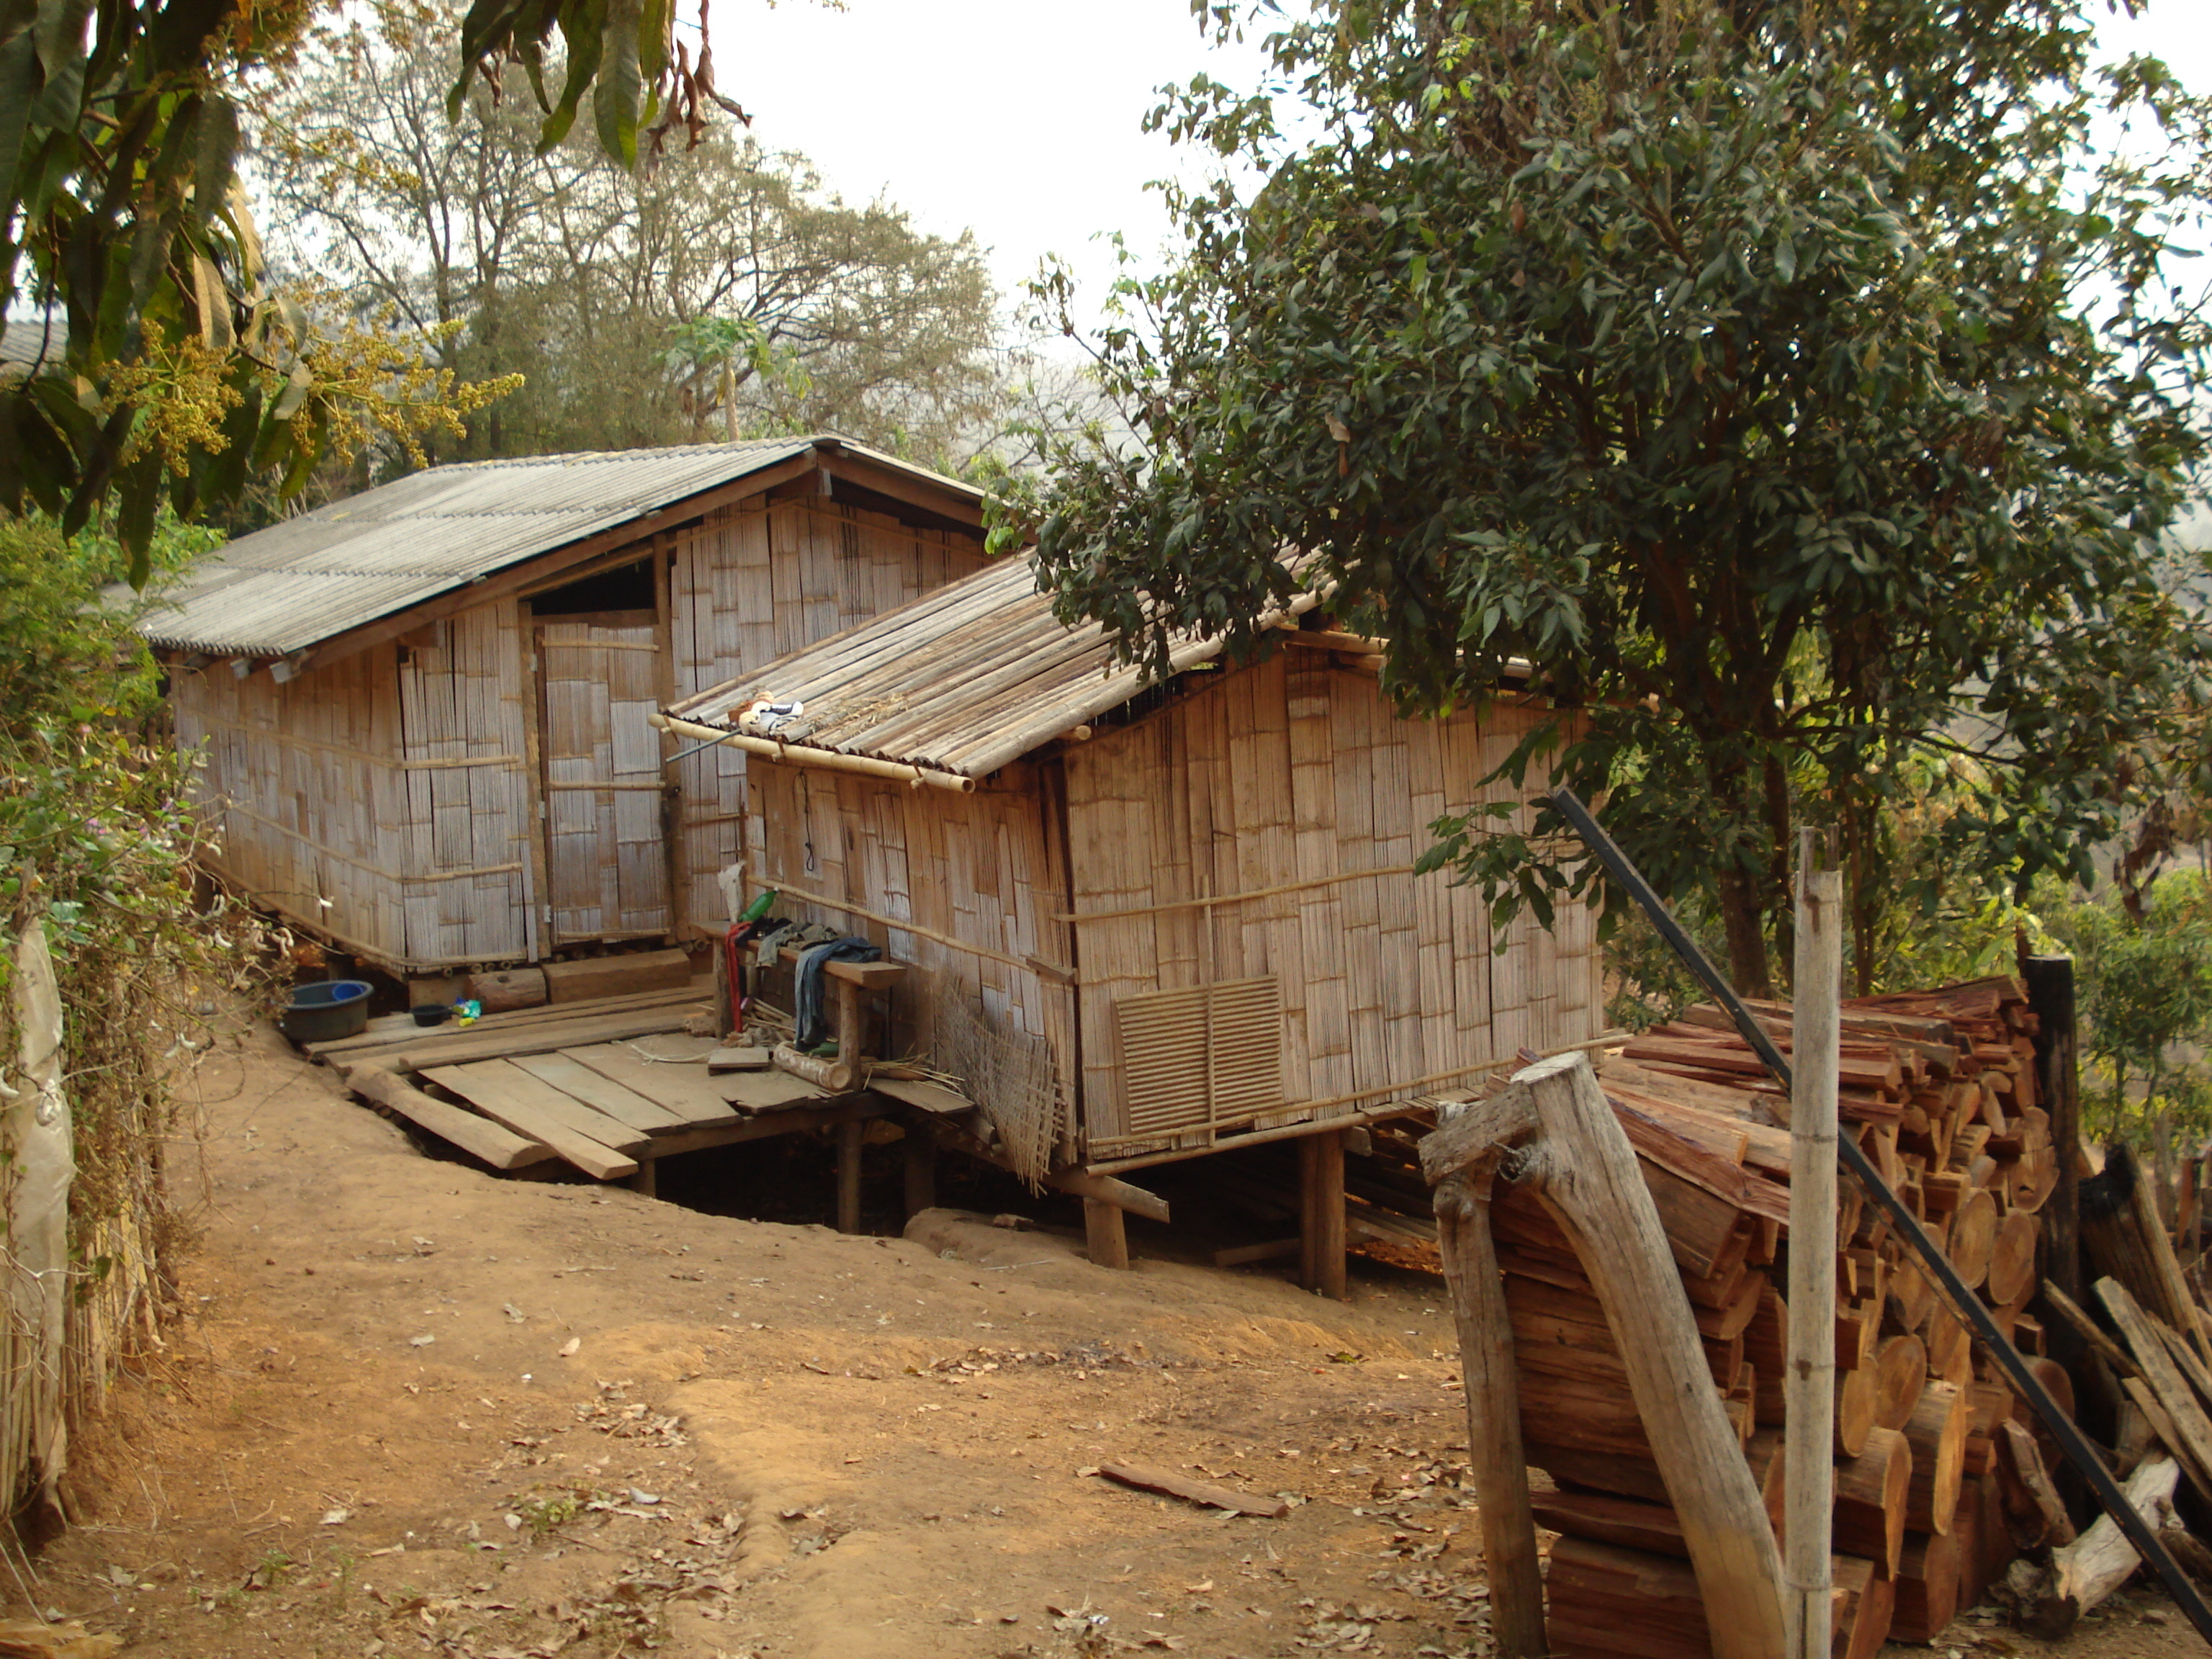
(570, 1347)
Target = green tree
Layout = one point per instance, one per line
(1795, 384)
(2144, 961)
(183, 371)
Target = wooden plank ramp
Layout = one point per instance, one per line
(603, 1094)
(501, 1083)
(683, 1089)
(479, 1137)
(533, 1108)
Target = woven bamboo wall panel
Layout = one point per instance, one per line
(983, 869)
(1289, 774)
(607, 866)
(755, 582)
(1207, 1057)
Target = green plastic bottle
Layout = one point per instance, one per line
(760, 906)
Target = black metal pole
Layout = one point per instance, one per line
(2078, 1452)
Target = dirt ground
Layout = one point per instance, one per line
(417, 1409)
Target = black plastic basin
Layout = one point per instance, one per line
(324, 1011)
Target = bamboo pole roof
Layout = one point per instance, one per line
(962, 680)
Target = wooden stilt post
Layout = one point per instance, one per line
(1493, 1413)
(1808, 1384)
(1104, 1233)
(849, 1142)
(1585, 1171)
(852, 1021)
(1320, 1212)
(920, 1171)
(646, 1181)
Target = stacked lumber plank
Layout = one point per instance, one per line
(1939, 1089)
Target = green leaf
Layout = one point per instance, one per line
(618, 97)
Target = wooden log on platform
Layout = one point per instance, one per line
(480, 1138)
(395, 1031)
(839, 1077)
(503, 990)
(598, 976)
(538, 1037)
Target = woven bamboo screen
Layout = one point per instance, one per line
(1210, 1057)
(755, 582)
(1292, 781)
(976, 874)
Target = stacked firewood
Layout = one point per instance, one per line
(1941, 1477)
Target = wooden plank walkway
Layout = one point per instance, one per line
(606, 1087)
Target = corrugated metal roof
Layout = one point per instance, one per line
(294, 584)
(962, 680)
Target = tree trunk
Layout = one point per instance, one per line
(1743, 919)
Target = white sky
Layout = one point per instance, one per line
(1020, 119)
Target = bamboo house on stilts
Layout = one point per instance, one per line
(424, 708)
(1145, 922)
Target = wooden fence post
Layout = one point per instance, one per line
(1495, 1461)
(1808, 1384)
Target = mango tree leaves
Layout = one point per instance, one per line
(1797, 388)
(177, 371)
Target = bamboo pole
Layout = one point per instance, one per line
(1808, 1384)
(830, 760)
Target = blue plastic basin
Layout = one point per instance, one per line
(326, 1010)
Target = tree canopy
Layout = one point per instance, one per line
(1800, 388)
(721, 289)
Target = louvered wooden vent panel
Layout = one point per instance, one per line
(1207, 1057)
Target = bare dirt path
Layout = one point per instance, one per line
(416, 1409)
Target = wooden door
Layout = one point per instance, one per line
(606, 854)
